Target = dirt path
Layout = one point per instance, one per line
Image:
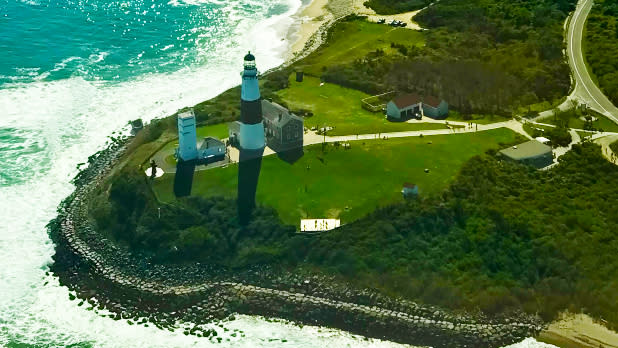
(406, 17)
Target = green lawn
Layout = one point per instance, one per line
(353, 40)
(350, 183)
(218, 131)
(602, 122)
(476, 118)
(540, 106)
(529, 128)
(339, 107)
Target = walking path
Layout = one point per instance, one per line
(312, 138)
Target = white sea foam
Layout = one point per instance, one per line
(531, 343)
(71, 119)
(30, 2)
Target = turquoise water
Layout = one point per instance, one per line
(74, 72)
(49, 40)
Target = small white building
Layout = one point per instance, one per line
(413, 106)
(317, 225)
(409, 190)
(404, 107)
(212, 150)
(434, 107)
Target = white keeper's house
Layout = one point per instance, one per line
(414, 106)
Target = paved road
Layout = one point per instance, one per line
(585, 89)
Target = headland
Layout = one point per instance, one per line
(135, 284)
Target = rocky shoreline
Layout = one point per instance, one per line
(131, 287)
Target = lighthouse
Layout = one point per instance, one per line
(187, 136)
(251, 125)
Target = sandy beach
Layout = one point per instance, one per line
(311, 18)
(578, 331)
(315, 18)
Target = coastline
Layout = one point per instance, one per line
(312, 21)
(309, 18)
(578, 331)
(130, 287)
(405, 17)
(316, 17)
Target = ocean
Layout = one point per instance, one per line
(73, 73)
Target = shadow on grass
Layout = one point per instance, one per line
(183, 180)
(291, 156)
(249, 166)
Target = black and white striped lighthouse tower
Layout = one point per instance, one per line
(251, 127)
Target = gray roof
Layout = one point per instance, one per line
(234, 126)
(272, 111)
(210, 142)
(525, 150)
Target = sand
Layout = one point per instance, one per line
(406, 17)
(315, 18)
(311, 18)
(578, 331)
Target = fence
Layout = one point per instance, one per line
(376, 103)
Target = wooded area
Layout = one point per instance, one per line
(503, 237)
(482, 56)
(601, 46)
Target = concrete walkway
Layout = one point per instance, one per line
(311, 138)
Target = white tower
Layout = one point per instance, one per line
(187, 137)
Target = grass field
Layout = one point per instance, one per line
(602, 122)
(349, 184)
(339, 107)
(352, 40)
(529, 128)
(476, 118)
